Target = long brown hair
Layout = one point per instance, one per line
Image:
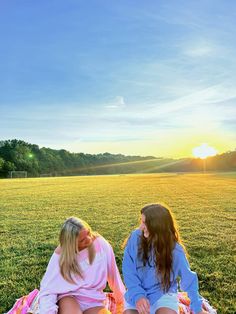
(163, 235)
(69, 248)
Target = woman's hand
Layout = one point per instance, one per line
(203, 312)
(143, 306)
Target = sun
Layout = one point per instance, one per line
(203, 151)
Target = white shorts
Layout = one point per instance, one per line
(83, 304)
(168, 300)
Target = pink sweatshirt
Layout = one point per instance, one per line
(90, 288)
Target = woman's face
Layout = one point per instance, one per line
(143, 226)
(84, 239)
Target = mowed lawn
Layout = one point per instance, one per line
(32, 211)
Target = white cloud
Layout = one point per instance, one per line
(118, 102)
(203, 47)
(199, 51)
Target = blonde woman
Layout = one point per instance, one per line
(78, 272)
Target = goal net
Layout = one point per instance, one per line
(17, 174)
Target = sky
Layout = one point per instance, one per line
(149, 78)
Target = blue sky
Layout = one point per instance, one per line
(133, 77)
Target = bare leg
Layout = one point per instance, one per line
(69, 305)
(130, 312)
(96, 310)
(165, 310)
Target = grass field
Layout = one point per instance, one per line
(32, 211)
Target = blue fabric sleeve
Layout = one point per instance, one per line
(132, 281)
(189, 280)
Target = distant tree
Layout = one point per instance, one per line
(7, 167)
(18, 155)
(2, 173)
(1, 163)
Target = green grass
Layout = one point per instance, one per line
(32, 211)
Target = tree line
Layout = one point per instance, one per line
(17, 155)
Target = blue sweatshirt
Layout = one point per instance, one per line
(142, 281)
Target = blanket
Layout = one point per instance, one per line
(29, 304)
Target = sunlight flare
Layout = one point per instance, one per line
(203, 151)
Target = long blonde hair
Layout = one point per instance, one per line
(69, 248)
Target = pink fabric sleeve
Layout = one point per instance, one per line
(114, 279)
(47, 295)
(51, 285)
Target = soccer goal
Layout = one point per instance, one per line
(17, 174)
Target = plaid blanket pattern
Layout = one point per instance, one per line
(29, 304)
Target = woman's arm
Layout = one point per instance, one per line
(47, 294)
(189, 280)
(114, 279)
(131, 277)
(51, 286)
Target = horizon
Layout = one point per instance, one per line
(131, 78)
(199, 156)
